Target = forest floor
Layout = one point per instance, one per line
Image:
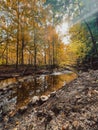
(73, 107)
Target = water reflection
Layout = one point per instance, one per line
(25, 88)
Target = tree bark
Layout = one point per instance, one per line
(17, 44)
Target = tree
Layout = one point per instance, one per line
(79, 44)
(28, 34)
(79, 11)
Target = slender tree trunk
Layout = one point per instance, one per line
(23, 24)
(35, 54)
(7, 41)
(35, 50)
(45, 59)
(53, 60)
(34, 37)
(49, 62)
(22, 51)
(53, 52)
(45, 55)
(7, 50)
(17, 44)
(56, 53)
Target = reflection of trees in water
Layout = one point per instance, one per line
(22, 93)
(57, 81)
(40, 85)
(24, 90)
(54, 81)
(28, 89)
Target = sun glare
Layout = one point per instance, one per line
(63, 32)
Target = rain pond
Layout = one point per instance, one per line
(17, 92)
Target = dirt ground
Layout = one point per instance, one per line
(74, 107)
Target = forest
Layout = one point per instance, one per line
(48, 64)
(28, 33)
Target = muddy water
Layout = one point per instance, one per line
(17, 92)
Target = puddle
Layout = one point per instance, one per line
(20, 90)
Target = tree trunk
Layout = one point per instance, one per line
(45, 55)
(35, 50)
(22, 52)
(53, 53)
(7, 50)
(17, 44)
(49, 62)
